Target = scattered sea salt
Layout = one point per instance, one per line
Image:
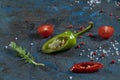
(96, 58)
(100, 50)
(96, 50)
(93, 56)
(116, 49)
(88, 49)
(117, 3)
(104, 51)
(112, 53)
(98, 54)
(117, 53)
(108, 50)
(91, 53)
(80, 54)
(118, 60)
(77, 1)
(116, 43)
(71, 77)
(16, 38)
(6, 47)
(31, 44)
(107, 55)
(100, 47)
(88, 55)
(83, 50)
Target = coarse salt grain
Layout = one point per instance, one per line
(93, 56)
(83, 50)
(107, 55)
(116, 43)
(108, 50)
(96, 58)
(113, 45)
(117, 53)
(100, 47)
(31, 44)
(6, 47)
(118, 60)
(96, 50)
(71, 77)
(100, 50)
(104, 51)
(116, 49)
(91, 53)
(80, 54)
(88, 55)
(115, 40)
(112, 53)
(16, 38)
(98, 54)
(88, 49)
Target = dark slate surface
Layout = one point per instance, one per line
(20, 18)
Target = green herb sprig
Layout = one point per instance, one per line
(26, 56)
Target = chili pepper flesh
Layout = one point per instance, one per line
(63, 41)
(86, 67)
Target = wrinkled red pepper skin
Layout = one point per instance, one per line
(86, 67)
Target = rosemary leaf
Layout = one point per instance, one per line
(26, 56)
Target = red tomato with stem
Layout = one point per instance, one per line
(45, 30)
(105, 32)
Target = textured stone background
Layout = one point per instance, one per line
(20, 18)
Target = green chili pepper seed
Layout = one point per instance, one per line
(63, 41)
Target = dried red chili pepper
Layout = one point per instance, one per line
(86, 67)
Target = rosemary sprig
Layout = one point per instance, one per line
(26, 56)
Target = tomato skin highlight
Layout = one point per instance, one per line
(86, 67)
(105, 32)
(45, 30)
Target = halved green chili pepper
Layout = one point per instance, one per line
(63, 41)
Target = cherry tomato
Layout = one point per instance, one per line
(45, 30)
(86, 67)
(105, 32)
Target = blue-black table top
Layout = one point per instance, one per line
(19, 20)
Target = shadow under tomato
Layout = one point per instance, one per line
(35, 36)
(96, 38)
